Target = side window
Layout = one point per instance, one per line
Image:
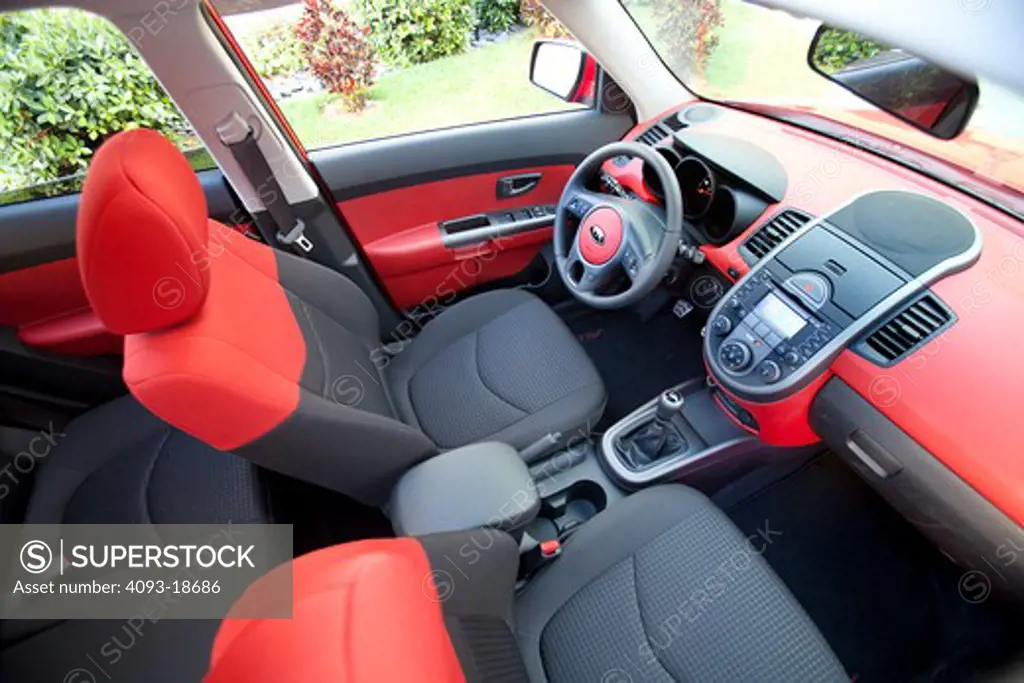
(69, 81)
(350, 70)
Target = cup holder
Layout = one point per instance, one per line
(561, 513)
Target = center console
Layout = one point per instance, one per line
(826, 286)
(674, 434)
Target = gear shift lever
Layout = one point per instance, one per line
(658, 438)
(669, 403)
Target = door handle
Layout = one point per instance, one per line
(516, 185)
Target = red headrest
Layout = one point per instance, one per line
(142, 234)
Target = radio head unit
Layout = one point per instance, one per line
(781, 325)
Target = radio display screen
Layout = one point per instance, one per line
(777, 315)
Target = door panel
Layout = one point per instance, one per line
(397, 194)
(402, 235)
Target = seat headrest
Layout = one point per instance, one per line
(142, 234)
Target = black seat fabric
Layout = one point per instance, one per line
(663, 587)
(499, 366)
(118, 464)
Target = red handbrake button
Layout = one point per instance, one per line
(549, 549)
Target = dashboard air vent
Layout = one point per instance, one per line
(906, 331)
(653, 135)
(661, 130)
(772, 233)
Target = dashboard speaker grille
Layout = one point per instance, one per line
(908, 330)
(772, 233)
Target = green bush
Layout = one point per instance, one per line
(416, 31)
(497, 15)
(837, 49)
(275, 52)
(69, 81)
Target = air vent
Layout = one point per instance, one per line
(906, 331)
(653, 135)
(772, 233)
(661, 130)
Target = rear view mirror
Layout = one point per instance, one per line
(564, 70)
(920, 93)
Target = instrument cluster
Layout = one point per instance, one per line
(716, 210)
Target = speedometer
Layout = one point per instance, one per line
(697, 183)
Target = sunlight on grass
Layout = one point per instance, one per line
(761, 54)
(739, 68)
(487, 84)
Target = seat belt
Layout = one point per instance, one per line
(238, 136)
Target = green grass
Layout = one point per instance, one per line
(483, 85)
(761, 55)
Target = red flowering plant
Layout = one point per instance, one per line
(338, 52)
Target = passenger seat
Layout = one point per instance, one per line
(659, 587)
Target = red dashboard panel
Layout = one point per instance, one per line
(783, 423)
(959, 396)
(399, 231)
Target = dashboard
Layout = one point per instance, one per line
(726, 184)
(873, 309)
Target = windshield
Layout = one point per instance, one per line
(732, 51)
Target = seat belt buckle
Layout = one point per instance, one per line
(538, 556)
(549, 550)
(296, 236)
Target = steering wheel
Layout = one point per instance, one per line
(616, 234)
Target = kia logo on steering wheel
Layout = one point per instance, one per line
(597, 234)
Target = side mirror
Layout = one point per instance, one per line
(920, 93)
(565, 70)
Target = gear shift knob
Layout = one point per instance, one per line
(670, 403)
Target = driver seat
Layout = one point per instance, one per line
(279, 360)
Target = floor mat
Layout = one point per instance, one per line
(637, 360)
(883, 597)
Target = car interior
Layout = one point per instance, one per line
(637, 391)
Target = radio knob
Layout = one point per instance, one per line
(722, 325)
(735, 355)
(770, 371)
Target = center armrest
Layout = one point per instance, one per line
(480, 485)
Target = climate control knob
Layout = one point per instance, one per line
(735, 355)
(722, 325)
